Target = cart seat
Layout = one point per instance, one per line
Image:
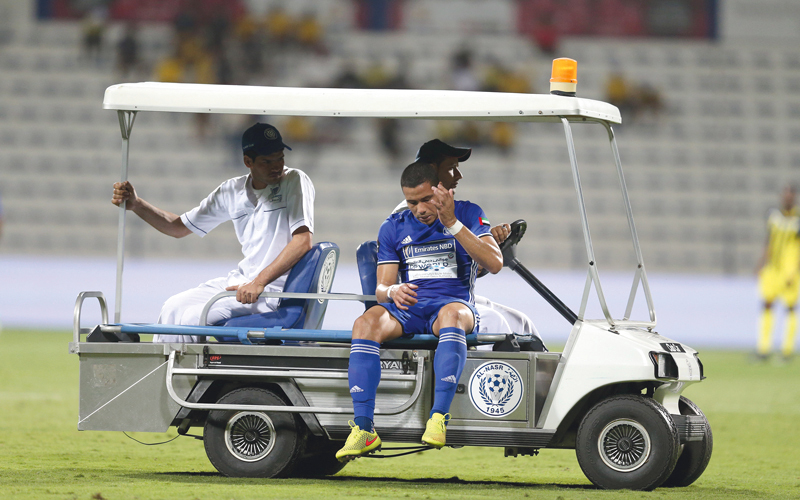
(312, 274)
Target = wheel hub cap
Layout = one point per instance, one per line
(250, 436)
(624, 445)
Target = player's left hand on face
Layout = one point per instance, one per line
(501, 232)
(247, 293)
(445, 204)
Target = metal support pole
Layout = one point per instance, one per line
(641, 274)
(576, 177)
(126, 119)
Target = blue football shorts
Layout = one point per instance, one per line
(420, 317)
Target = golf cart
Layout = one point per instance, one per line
(271, 392)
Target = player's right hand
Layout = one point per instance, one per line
(123, 191)
(405, 296)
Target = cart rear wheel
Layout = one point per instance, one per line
(627, 442)
(319, 460)
(695, 455)
(253, 443)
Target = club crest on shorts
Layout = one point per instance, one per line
(496, 388)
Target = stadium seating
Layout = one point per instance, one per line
(701, 175)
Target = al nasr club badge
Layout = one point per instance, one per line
(496, 388)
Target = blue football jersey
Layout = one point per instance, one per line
(429, 256)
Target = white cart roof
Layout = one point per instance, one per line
(382, 103)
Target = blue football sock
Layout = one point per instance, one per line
(448, 363)
(363, 374)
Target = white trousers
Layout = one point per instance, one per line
(497, 318)
(186, 307)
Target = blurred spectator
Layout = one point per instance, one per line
(650, 102)
(501, 79)
(251, 44)
(128, 50)
(347, 77)
(546, 34)
(502, 136)
(462, 75)
(621, 94)
(298, 129)
(170, 68)
(635, 101)
(279, 25)
(93, 28)
(309, 33)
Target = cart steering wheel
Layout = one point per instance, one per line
(509, 246)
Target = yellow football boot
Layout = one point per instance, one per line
(359, 442)
(435, 430)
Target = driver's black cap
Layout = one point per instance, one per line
(434, 149)
(264, 139)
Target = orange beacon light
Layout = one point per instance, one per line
(564, 78)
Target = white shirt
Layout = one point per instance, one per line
(263, 219)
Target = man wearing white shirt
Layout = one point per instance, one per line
(272, 210)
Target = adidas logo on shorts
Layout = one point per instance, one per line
(450, 378)
(356, 388)
(406, 240)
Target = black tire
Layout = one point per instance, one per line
(251, 443)
(319, 459)
(627, 442)
(695, 455)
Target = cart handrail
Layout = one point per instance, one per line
(172, 371)
(285, 295)
(76, 316)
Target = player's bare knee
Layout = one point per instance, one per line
(455, 315)
(368, 326)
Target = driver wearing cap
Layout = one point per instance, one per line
(272, 209)
(495, 318)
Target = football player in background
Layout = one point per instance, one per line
(779, 273)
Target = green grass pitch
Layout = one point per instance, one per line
(754, 410)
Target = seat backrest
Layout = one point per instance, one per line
(367, 261)
(313, 273)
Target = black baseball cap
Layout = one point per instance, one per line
(435, 148)
(264, 139)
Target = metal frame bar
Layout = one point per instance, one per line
(285, 295)
(172, 371)
(76, 316)
(126, 119)
(641, 274)
(593, 275)
(587, 237)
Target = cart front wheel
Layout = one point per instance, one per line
(627, 442)
(695, 455)
(253, 443)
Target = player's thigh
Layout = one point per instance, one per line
(378, 325)
(455, 315)
(769, 284)
(791, 290)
